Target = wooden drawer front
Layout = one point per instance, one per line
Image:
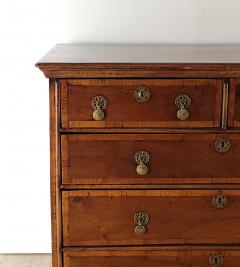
(123, 110)
(174, 158)
(136, 257)
(234, 103)
(96, 218)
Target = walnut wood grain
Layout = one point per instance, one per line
(229, 130)
(99, 217)
(234, 103)
(216, 186)
(97, 54)
(186, 247)
(55, 173)
(175, 158)
(92, 61)
(92, 163)
(165, 257)
(225, 104)
(159, 111)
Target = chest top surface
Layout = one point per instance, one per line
(79, 61)
(162, 54)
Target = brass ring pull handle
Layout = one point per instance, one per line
(99, 104)
(216, 260)
(141, 219)
(142, 158)
(222, 145)
(142, 94)
(219, 201)
(182, 103)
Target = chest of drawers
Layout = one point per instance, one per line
(145, 146)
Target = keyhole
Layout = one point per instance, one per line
(216, 260)
(141, 94)
(219, 200)
(223, 144)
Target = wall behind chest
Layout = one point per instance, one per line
(28, 29)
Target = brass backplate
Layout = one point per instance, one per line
(141, 218)
(142, 94)
(99, 102)
(216, 261)
(222, 145)
(142, 157)
(183, 101)
(219, 201)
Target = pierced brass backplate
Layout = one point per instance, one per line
(142, 158)
(216, 260)
(142, 94)
(99, 104)
(141, 219)
(182, 103)
(222, 145)
(219, 201)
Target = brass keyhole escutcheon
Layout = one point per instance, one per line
(99, 104)
(182, 103)
(219, 201)
(142, 158)
(216, 260)
(142, 94)
(141, 219)
(222, 145)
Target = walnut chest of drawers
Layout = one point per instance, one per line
(145, 155)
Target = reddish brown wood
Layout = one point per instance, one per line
(225, 106)
(201, 186)
(55, 174)
(101, 190)
(149, 130)
(142, 54)
(234, 102)
(64, 103)
(237, 103)
(63, 71)
(98, 217)
(165, 257)
(159, 111)
(175, 158)
(162, 61)
(186, 248)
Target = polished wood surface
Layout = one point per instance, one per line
(171, 257)
(95, 54)
(95, 190)
(229, 130)
(175, 158)
(76, 60)
(93, 218)
(217, 186)
(55, 173)
(234, 104)
(159, 111)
